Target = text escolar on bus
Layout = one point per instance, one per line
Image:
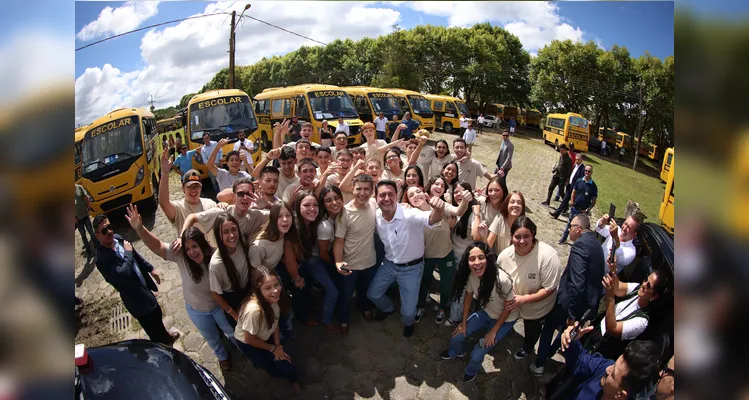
(79, 133)
(417, 105)
(220, 114)
(565, 129)
(370, 102)
(119, 159)
(312, 103)
(447, 112)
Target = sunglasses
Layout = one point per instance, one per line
(242, 195)
(588, 170)
(105, 230)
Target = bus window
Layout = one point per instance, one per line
(360, 102)
(281, 108)
(451, 108)
(301, 110)
(403, 104)
(439, 106)
(262, 107)
(555, 123)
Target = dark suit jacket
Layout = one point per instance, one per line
(581, 288)
(504, 158)
(580, 173)
(118, 272)
(563, 168)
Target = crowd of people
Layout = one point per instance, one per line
(390, 213)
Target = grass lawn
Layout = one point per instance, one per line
(617, 184)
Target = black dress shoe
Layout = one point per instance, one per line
(545, 203)
(408, 330)
(553, 214)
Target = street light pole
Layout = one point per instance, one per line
(638, 135)
(233, 43)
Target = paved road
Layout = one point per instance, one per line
(374, 360)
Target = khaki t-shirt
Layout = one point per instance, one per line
(469, 170)
(358, 228)
(335, 180)
(488, 212)
(437, 242)
(266, 253)
(541, 268)
(372, 152)
(461, 244)
(500, 228)
(197, 295)
(437, 164)
(425, 160)
(252, 223)
(184, 209)
(496, 304)
(219, 278)
(283, 181)
(289, 191)
(252, 322)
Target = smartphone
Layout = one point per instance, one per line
(612, 211)
(345, 269)
(576, 329)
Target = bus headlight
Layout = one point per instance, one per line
(139, 176)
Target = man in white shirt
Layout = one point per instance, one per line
(205, 152)
(342, 126)
(244, 147)
(470, 137)
(381, 124)
(625, 251)
(402, 232)
(480, 121)
(463, 124)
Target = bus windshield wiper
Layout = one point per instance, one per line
(85, 167)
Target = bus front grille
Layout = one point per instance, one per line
(116, 203)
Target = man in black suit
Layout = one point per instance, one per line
(129, 273)
(561, 174)
(580, 289)
(578, 171)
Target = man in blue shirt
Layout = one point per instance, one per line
(411, 124)
(183, 162)
(583, 199)
(608, 379)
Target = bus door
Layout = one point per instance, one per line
(363, 107)
(280, 109)
(262, 112)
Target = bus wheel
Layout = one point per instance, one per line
(556, 144)
(545, 141)
(447, 127)
(267, 145)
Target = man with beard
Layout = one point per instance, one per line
(307, 171)
(176, 211)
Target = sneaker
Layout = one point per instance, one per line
(520, 354)
(538, 371)
(419, 313)
(445, 355)
(468, 378)
(553, 214)
(545, 203)
(450, 322)
(440, 318)
(562, 241)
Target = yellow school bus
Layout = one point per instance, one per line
(623, 140)
(666, 212)
(646, 149)
(565, 129)
(608, 135)
(120, 163)
(370, 102)
(417, 104)
(309, 102)
(79, 133)
(532, 117)
(447, 112)
(510, 112)
(222, 114)
(668, 159)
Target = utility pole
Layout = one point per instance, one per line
(231, 49)
(639, 127)
(151, 101)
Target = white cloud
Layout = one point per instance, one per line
(113, 21)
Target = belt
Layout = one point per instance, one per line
(410, 263)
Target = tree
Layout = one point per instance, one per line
(185, 99)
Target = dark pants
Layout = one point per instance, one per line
(573, 212)
(358, 282)
(532, 329)
(83, 225)
(565, 201)
(266, 360)
(300, 297)
(503, 179)
(557, 319)
(556, 182)
(481, 128)
(381, 135)
(154, 327)
(235, 301)
(462, 131)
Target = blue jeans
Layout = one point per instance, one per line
(556, 319)
(266, 360)
(358, 282)
(381, 135)
(456, 307)
(573, 212)
(477, 321)
(319, 272)
(206, 322)
(409, 281)
(300, 297)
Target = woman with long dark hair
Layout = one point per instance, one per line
(450, 173)
(497, 235)
(536, 270)
(414, 178)
(480, 277)
(331, 200)
(267, 249)
(258, 332)
(229, 268)
(491, 204)
(191, 255)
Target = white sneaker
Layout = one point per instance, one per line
(440, 318)
(450, 322)
(419, 313)
(538, 371)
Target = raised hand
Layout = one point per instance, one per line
(222, 142)
(127, 246)
(468, 196)
(166, 164)
(274, 154)
(483, 230)
(133, 217)
(436, 202)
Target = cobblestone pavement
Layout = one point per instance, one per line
(374, 360)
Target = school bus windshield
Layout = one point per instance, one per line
(532, 114)
(331, 104)
(420, 105)
(110, 143)
(384, 102)
(221, 116)
(462, 107)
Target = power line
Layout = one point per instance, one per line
(286, 30)
(148, 27)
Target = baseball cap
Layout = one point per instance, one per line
(563, 146)
(190, 177)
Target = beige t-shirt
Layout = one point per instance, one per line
(252, 322)
(496, 304)
(500, 228)
(252, 223)
(219, 278)
(425, 160)
(266, 253)
(469, 170)
(357, 226)
(184, 209)
(373, 151)
(283, 182)
(196, 294)
(461, 244)
(290, 191)
(335, 180)
(437, 164)
(437, 242)
(541, 268)
(488, 212)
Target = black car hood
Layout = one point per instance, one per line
(141, 369)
